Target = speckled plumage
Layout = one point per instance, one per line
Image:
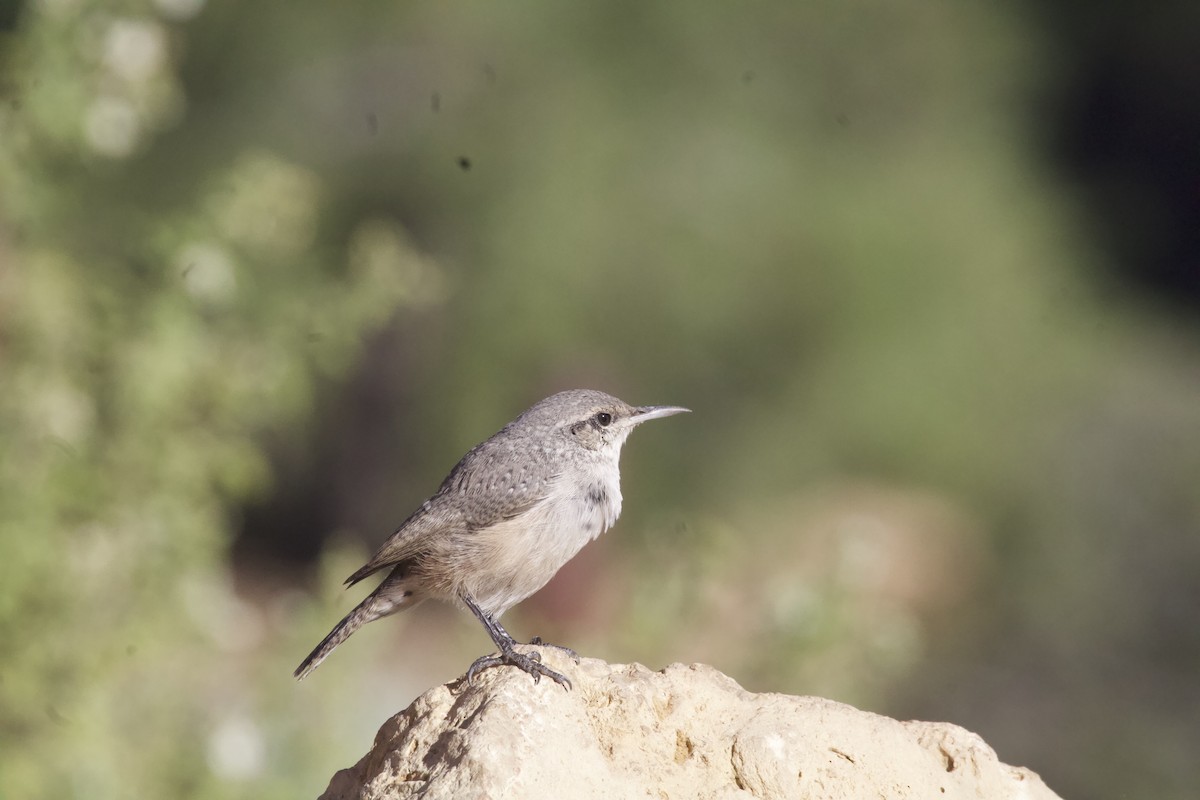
(514, 510)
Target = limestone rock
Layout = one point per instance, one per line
(682, 732)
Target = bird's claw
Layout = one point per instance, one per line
(537, 642)
(531, 664)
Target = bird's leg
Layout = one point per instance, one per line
(531, 664)
(537, 642)
(494, 627)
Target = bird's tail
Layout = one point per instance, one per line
(372, 608)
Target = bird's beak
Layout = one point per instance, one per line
(643, 413)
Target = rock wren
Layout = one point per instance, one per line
(506, 518)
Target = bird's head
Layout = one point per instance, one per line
(594, 420)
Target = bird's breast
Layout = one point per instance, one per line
(506, 562)
(598, 507)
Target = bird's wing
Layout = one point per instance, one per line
(492, 483)
(403, 544)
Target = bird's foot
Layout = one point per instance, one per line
(527, 663)
(537, 642)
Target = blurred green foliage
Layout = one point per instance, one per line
(927, 449)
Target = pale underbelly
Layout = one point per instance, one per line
(502, 565)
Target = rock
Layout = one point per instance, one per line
(682, 732)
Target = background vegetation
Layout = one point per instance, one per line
(925, 271)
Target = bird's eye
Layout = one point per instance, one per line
(604, 419)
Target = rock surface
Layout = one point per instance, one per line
(682, 732)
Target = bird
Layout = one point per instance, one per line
(509, 515)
